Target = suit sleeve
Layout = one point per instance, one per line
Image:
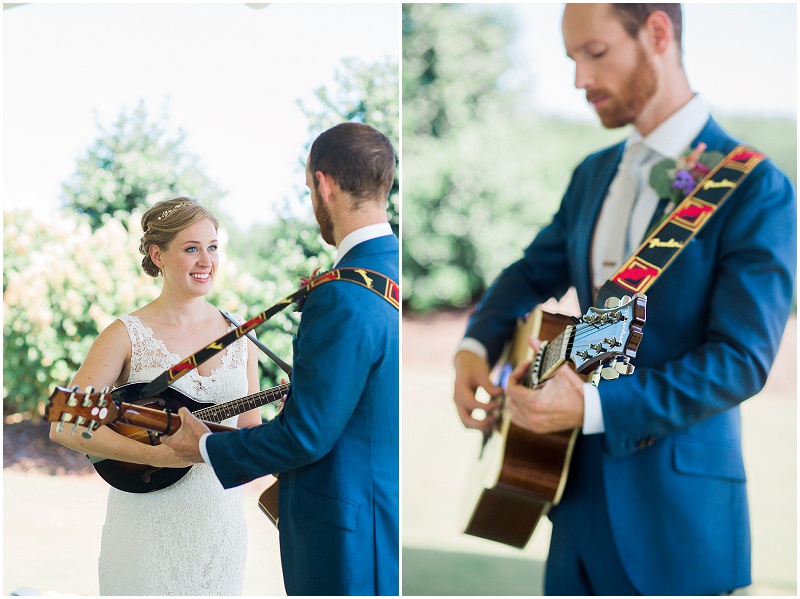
(333, 356)
(739, 322)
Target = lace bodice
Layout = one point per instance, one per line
(190, 538)
(150, 357)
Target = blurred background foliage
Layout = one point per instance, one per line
(484, 172)
(67, 278)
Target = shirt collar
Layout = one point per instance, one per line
(361, 235)
(672, 137)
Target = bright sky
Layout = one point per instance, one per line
(231, 76)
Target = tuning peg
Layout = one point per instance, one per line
(87, 401)
(609, 372)
(65, 417)
(79, 421)
(596, 376)
(87, 434)
(624, 367)
(612, 302)
(101, 402)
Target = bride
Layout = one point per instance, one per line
(189, 538)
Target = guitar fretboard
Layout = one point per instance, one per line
(229, 409)
(553, 355)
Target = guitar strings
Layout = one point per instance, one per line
(220, 412)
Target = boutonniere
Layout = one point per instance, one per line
(309, 282)
(305, 282)
(674, 180)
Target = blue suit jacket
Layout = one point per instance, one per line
(673, 470)
(335, 444)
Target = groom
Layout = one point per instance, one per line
(335, 443)
(656, 499)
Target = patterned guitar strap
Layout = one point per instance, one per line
(374, 281)
(669, 239)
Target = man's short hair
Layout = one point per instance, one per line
(633, 17)
(359, 158)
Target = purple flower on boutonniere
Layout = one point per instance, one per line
(684, 182)
(673, 180)
(676, 179)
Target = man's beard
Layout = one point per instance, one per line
(325, 222)
(624, 108)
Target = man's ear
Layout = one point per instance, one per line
(327, 186)
(659, 31)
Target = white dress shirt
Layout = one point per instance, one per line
(360, 236)
(670, 139)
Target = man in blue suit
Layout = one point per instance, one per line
(335, 443)
(655, 501)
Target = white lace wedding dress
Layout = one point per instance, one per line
(190, 538)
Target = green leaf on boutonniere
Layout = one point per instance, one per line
(711, 159)
(661, 177)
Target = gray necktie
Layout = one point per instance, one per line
(614, 222)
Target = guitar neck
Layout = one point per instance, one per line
(220, 412)
(552, 355)
(157, 421)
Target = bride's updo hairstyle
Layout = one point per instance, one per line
(162, 223)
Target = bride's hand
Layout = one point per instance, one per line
(165, 457)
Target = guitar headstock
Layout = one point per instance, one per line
(87, 409)
(607, 338)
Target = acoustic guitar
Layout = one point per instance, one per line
(144, 420)
(521, 474)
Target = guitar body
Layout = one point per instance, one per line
(520, 474)
(268, 501)
(142, 478)
(144, 419)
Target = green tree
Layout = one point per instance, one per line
(63, 284)
(467, 154)
(482, 171)
(132, 164)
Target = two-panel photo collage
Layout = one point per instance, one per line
(399, 299)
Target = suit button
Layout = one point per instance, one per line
(646, 442)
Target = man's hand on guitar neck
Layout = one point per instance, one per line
(472, 372)
(555, 405)
(186, 441)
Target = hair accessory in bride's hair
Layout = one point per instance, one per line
(171, 210)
